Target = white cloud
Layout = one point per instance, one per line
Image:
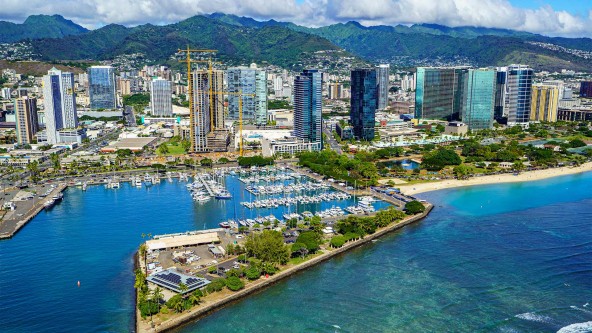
(486, 13)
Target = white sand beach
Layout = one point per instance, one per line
(495, 179)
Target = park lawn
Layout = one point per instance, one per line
(174, 150)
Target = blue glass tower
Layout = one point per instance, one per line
(478, 98)
(308, 106)
(364, 102)
(101, 87)
(519, 94)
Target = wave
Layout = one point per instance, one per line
(585, 327)
(580, 309)
(531, 316)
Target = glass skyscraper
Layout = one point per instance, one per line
(438, 92)
(248, 81)
(160, 97)
(60, 103)
(519, 94)
(27, 125)
(478, 98)
(364, 102)
(308, 106)
(101, 87)
(382, 72)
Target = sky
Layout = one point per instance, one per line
(570, 18)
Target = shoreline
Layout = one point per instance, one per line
(526, 176)
(258, 285)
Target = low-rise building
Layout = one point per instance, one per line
(456, 128)
(289, 145)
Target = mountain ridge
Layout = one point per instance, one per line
(285, 43)
(39, 26)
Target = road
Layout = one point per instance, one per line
(332, 142)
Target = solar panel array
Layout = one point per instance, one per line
(193, 282)
(172, 280)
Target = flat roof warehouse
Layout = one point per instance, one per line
(133, 144)
(176, 241)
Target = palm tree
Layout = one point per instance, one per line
(157, 295)
(183, 288)
(179, 306)
(143, 251)
(194, 299)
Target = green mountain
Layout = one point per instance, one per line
(39, 26)
(286, 44)
(477, 45)
(274, 44)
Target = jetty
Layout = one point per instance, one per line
(24, 211)
(207, 307)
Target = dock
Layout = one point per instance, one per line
(206, 184)
(25, 211)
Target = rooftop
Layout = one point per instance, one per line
(171, 279)
(175, 241)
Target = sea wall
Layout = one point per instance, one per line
(260, 284)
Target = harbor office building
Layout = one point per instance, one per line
(289, 145)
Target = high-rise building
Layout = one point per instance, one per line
(335, 90)
(519, 93)
(438, 92)
(382, 73)
(60, 103)
(6, 93)
(27, 125)
(501, 76)
(364, 102)
(545, 101)
(125, 86)
(252, 83)
(586, 89)
(208, 108)
(102, 90)
(308, 96)
(478, 98)
(161, 97)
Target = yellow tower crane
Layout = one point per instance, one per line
(240, 114)
(189, 61)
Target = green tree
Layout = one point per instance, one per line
(55, 160)
(462, 171)
(234, 283)
(33, 168)
(195, 297)
(414, 207)
(518, 166)
(157, 296)
(267, 246)
(337, 241)
(207, 162)
(252, 273)
(163, 149)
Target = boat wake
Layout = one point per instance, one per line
(580, 309)
(531, 316)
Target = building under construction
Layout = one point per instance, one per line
(209, 112)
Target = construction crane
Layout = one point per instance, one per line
(240, 114)
(188, 61)
(210, 63)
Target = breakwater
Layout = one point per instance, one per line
(263, 283)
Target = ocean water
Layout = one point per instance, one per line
(91, 237)
(499, 258)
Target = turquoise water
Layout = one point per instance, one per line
(502, 258)
(91, 237)
(406, 164)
